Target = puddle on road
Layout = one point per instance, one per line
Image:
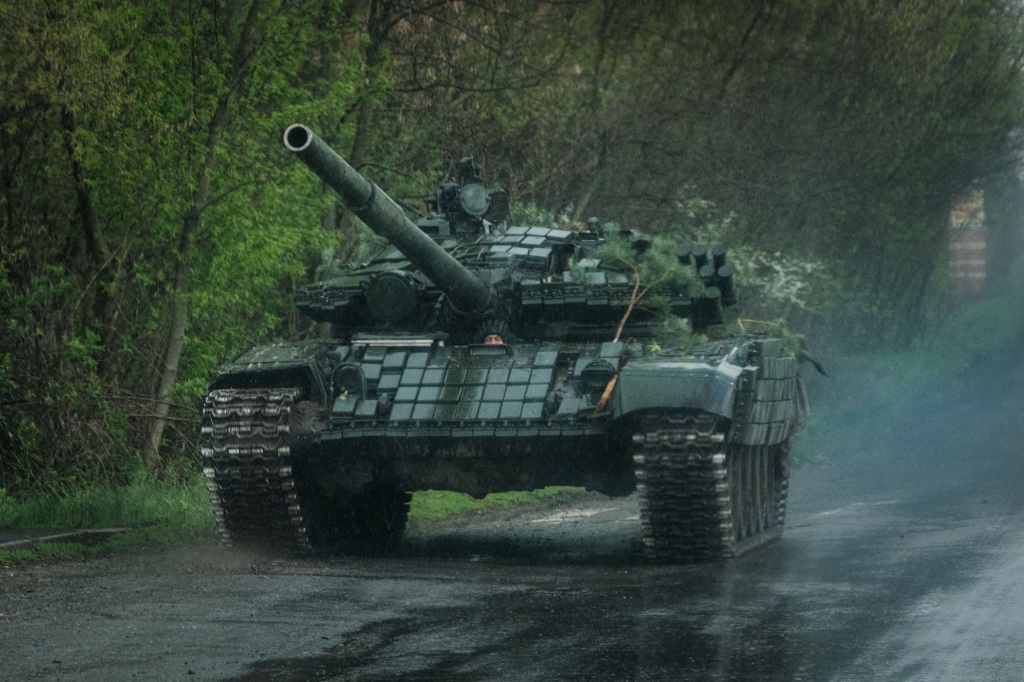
(571, 515)
(853, 507)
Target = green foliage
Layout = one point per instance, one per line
(54, 550)
(143, 187)
(157, 512)
(183, 505)
(980, 331)
(57, 424)
(773, 284)
(122, 125)
(13, 556)
(530, 214)
(658, 267)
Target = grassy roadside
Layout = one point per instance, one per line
(158, 512)
(161, 513)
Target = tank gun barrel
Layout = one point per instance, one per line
(381, 214)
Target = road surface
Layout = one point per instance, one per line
(903, 561)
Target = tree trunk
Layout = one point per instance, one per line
(98, 256)
(169, 375)
(168, 368)
(1004, 220)
(377, 28)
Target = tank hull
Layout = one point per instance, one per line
(328, 423)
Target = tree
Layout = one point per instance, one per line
(153, 225)
(129, 133)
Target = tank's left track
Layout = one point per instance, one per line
(248, 467)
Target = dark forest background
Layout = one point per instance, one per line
(152, 225)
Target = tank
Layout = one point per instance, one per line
(471, 356)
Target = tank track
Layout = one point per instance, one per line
(702, 499)
(248, 468)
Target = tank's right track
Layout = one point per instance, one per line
(702, 499)
(247, 462)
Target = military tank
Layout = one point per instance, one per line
(470, 356)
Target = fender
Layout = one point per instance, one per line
(655, 383)
(305, 365)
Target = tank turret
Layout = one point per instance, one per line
(464, 290)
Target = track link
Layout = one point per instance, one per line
(702, 499)
(248, 467)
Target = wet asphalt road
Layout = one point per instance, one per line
(904, 561)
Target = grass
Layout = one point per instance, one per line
(161, 513)
(439, 504)
(145, 501)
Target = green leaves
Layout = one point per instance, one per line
(137, 156)
(143, 184)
